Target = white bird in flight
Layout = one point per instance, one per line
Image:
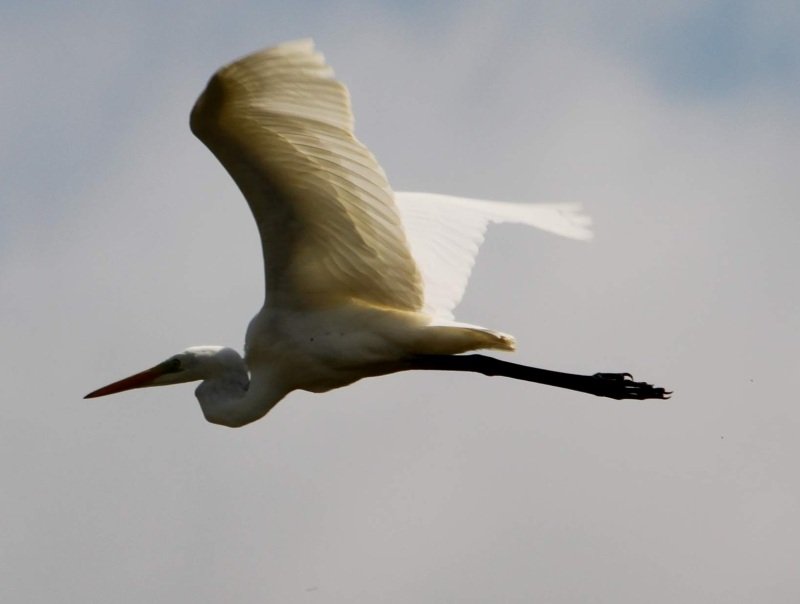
(361, 281)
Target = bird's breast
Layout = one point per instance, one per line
(320, 350)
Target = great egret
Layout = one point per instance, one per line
(360, 281)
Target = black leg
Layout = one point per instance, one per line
(612, 385)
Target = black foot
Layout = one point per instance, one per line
(621, 386)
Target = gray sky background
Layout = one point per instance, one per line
(123, 241)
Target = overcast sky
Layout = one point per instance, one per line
(122, 241)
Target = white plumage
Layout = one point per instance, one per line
(359, 281)
(445, 234)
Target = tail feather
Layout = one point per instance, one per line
(455, 338)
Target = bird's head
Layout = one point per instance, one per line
(193, 364)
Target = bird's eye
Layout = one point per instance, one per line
(171, 365)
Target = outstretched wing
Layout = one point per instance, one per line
(283, 128)
(445, 233)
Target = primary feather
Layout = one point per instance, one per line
(445, 234)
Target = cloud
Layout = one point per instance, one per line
(123, 241)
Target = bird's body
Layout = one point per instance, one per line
(360, 281)
(322, 349)
(325, 348)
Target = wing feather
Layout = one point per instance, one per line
(283, 128)
(445, 234)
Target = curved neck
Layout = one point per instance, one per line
(232, 400)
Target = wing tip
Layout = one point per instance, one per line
(576, 224)
(206, 110)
